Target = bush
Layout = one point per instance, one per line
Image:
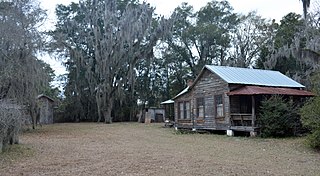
(278, 118)
(314, 139)
(310, 116)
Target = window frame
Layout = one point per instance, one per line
(202, 100)
(183, 111)
(219, 106)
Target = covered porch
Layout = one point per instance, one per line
(243, 112)
(245, 103)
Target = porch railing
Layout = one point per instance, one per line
(241, 119)
(184, 121)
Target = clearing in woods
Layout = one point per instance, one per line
(139, 149)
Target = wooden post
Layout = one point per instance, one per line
(253, 111)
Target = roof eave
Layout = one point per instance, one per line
(184, 91)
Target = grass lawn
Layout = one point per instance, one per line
(140, 149)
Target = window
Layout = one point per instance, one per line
(184, 110)
(200, 107)
(187, 110)
(181, 110)
(219, 106)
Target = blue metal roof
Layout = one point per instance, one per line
(235, 75)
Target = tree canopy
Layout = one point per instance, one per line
(120, 53)
(105, 41)
(22, 75)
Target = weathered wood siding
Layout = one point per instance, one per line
(183, 123)
(208, 86)
(46, 111)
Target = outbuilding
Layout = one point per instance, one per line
(151, 115)
(46, 105)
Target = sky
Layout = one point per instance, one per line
(269, 9)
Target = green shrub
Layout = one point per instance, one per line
(278, 117)
(314, 139)
(310, 116)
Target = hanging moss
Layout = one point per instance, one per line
(120, 37)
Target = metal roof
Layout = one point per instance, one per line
(182, 92)
(167, 102)
(256, 90)
(235, 75)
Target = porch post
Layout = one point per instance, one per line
(253, 111)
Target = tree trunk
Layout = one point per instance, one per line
(1, 143)
(98, 101)
(107, 113)
(33, 117)
(131, 114)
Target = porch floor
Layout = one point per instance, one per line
(234, 128)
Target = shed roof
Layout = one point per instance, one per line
(257, 90)
(236, 75)
(45, 96)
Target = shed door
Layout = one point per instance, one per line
(159, 117)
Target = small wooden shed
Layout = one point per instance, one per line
(46, 105)
(152, 114)
(228, 98)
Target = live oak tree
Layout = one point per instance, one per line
(310, 112)
(293, 49)
(250, 35)
(305, 5)
(177, 55)
(284, 44)
(22, 75)
(214, 24)
(105, 41)
(198, 38)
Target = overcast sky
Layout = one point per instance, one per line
(270, 9)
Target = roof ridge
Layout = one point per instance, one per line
(257, 69)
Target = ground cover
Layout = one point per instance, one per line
(140, 149)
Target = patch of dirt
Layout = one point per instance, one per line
(140, 149)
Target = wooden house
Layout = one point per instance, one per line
(228, 98)
(46, 109)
